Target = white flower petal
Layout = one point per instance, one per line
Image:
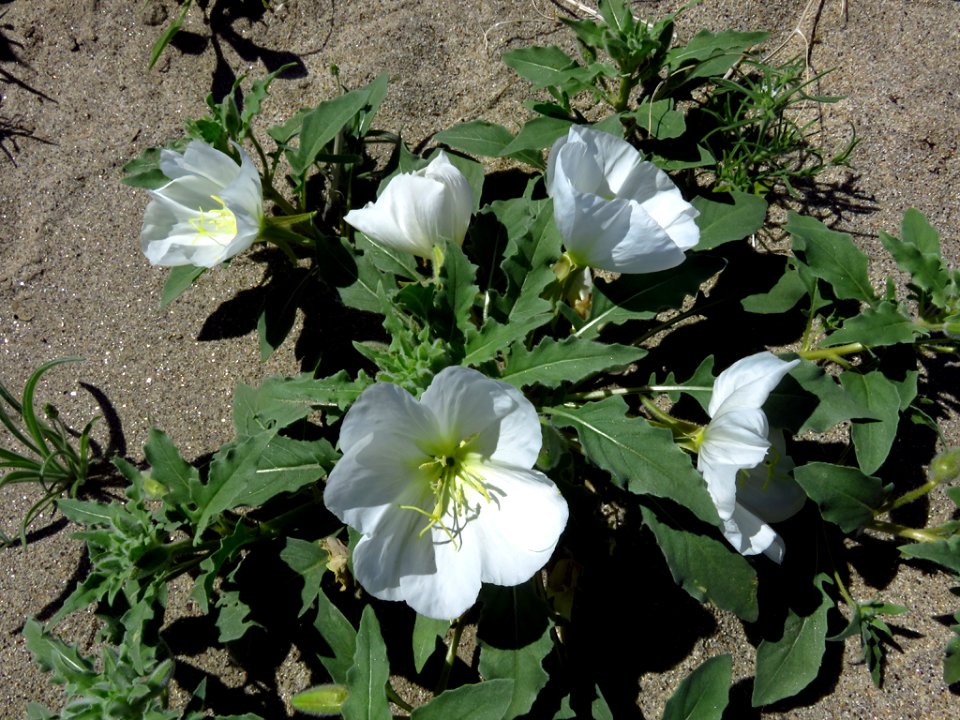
(439, 514)
(751, 536)
(210, 211)
(419, 210)
(748, 382)
(769, 490)
(519, 529)
(467, 404)
(614, 210)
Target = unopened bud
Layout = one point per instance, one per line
(320, 700)
(945, 466)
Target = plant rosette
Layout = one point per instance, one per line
(444, 492)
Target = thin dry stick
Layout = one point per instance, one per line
(586, 9)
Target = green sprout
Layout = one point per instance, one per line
(47, 455)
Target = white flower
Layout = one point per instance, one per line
(443, 491)
(749, 488)
(210, 210)
(418, 210)
(615, 210)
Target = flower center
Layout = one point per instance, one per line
(220, 225)
(454, 482)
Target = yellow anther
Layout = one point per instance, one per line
(219, 225)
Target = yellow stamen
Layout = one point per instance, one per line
(220, 225)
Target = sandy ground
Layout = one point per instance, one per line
(78, 102)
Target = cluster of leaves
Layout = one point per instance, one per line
(45, 455)
(710, 105)
(593, 371)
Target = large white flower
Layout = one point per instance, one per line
(615, 210)
(748, 478)
(210, 210)
(418, 210)
(444, 492)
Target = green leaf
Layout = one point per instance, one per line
(942, 552)
(286, 465)
(711, 54)
(232, 618)
(339, 634)
(536, 135)
(367, 679)
(810, 399)
(280, 401)
(708, 569)
(641, 297)
(476, 137)
(178, 280)
(488, 700)
(426, 632)
(230, 472)
(884, 324)
(721, 223)
(458, 290)
(846, 496)
(660, 119)
(951, 658)
(872, 439)
(787, 665)
(570, 360)
(703, 694)
(180, 479)
(322, 124)
(638, 456)
(167, 35)
(522, 666)
(309, 560)
(541, 66)
(144, 171)
(783, 296)
(831, 256)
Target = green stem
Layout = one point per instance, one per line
(909, 497)
(903, 531)
(451, 656)
(834, 354)
(395, 698)
(623, 96)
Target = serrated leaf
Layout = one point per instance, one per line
(230, 473)
(167, 467)
(144, 171)
(710, 54)
(846, 496)
(367, 679)
(570, 360)
(831, 256)
(286, 465)
(709, 570)
(885, 324)
(721, 223)
(942, 552)
(232, 619)
(458, 290)
(787, 665)
(872, 439)
(638, 456)
(522, 666)
(309, 560)
(703, 694)
(484, 701)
